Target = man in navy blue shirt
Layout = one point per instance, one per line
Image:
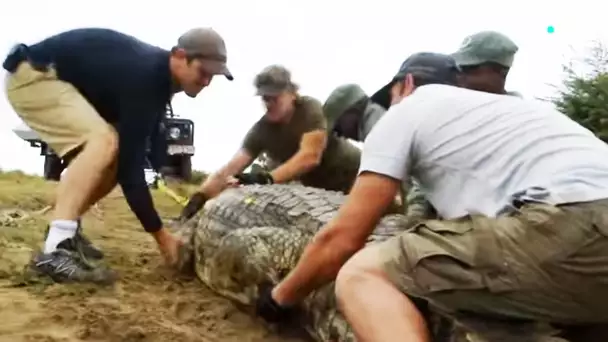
(96, 97)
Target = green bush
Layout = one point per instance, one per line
(584, 92)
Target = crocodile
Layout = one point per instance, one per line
(255, 234)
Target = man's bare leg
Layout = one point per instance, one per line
(106, 186)
(374, 307)
(86, 173)
(108, 183)
(76, 188)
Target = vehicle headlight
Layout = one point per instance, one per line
(174, 133)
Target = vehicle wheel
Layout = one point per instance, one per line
(53, 167)
(185, 168)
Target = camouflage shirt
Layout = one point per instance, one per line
(340, 161)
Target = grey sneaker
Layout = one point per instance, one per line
(82, 245)
(89, 250)
(64, 266)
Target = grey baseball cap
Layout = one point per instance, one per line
(432, 67)
(273, 80)
(486, 46)
(205, 43)
(341, 99)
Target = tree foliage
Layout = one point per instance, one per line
(584, 92)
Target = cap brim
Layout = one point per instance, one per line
(383, 96)
(264, 91)
(218, 68)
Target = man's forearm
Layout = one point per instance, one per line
(140, 201)
(319, 265)
(211, 187)
(217, 181)
(294, 167)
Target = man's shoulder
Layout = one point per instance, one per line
(438, 96)
(439, 90)
(430, 97)
(258, 129)
(128, 63)
(90, 36)
(308, 115)
(430, 105)
(97, 49)
(308, 103)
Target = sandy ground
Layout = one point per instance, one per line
(148, 303)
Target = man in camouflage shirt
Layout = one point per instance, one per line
(292, 133)
(485, 59)
(350, 113)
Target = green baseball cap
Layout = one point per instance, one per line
(273, 80)
(432, 67)
(341, 99)
(486, 46)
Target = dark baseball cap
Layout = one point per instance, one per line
(206, 44)
(432, 67)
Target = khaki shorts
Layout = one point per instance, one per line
(543, 263)
(54, 109)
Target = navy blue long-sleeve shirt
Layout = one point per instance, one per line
(129, 83)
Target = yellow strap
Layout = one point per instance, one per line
(162, 186)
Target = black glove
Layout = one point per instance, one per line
(268, 309)
(195, 203)
(254, 178)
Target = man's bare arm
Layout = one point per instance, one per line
(312, 146)
(341, 238)
(217, 182)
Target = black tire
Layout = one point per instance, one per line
(185, 168)
(53, 167)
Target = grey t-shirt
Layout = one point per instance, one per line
(474, 152)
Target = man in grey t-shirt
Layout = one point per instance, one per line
(484, 60)
(523, 194)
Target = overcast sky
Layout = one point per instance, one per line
(324, 43)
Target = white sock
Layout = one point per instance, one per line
(59, 231)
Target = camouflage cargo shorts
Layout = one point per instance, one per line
(543, 263)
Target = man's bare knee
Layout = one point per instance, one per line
(104, 144)
(361, 267)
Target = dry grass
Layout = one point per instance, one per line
(148, 303)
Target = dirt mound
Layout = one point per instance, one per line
(148, 303)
